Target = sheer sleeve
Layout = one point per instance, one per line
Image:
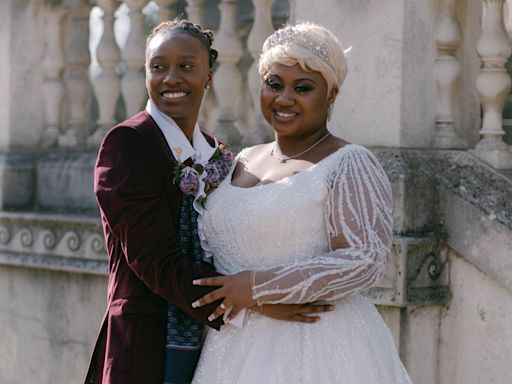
(358, 217)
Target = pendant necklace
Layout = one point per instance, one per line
(284, 159)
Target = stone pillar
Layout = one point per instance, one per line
(53, 64)
(78, 87)
(507, 110)
(493, 85)
(165, 10)
(133, 86)
(409, 297)
(23, 77)
(259, 130)
(195, 11)
(227, 81)
(447, 73)
(106, 83)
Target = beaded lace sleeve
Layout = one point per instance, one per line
(358, 209)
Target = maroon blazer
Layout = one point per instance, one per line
(139, 207)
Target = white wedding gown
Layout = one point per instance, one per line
(283, 231)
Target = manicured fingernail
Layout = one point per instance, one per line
(211, 318)
(195, 304)
(196, 282)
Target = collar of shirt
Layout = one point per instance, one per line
(200, 152)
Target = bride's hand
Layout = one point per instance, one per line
(236, 290)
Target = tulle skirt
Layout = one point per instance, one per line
(350, 345)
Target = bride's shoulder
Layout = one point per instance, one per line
(349, 150)
(353, 156)
(251, 153)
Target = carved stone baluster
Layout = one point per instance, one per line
(447, 72)
(259, 130)
(165, 10)
(195, 11)
(493, 84)
(227, 81)
(507, 109)
(78, 85)
(132, 84)
(53, 64)
(106, 83)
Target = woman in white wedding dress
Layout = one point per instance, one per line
(306, 218)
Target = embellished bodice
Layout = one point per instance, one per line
(284, 230)
(269, 224)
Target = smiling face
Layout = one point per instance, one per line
(294, 101)
(177, 74)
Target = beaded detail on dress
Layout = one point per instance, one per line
(283, 230)
(290, 222)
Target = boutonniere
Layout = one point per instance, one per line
(198, 180)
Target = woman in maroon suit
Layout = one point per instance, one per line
(150, 226)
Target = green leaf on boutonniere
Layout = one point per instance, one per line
(177, 172)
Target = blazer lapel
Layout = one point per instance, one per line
(153, 133)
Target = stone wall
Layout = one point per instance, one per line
(49, 321)
(475, 344)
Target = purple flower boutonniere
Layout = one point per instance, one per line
(198, 180)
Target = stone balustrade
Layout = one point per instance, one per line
(493, 85)
(447, 72)
(232, 110)
(427, 83)
(120, 73)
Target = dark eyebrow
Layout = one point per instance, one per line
(189, 57)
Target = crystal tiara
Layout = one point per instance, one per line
(288, 35)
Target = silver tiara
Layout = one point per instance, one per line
(289, 35)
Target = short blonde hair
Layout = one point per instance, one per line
(312, 46)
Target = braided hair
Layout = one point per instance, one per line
(205, 36)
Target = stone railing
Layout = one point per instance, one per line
(118, 75)
(492, 82)
(92, 54)
(108, 79)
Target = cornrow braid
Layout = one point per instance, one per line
(185, 26)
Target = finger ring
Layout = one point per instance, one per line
(222, 306)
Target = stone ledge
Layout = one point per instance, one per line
(479, 238)
(54, 263)
(460, 172)
(50, 234)
(415, 272)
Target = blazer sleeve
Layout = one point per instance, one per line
(130, 193)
